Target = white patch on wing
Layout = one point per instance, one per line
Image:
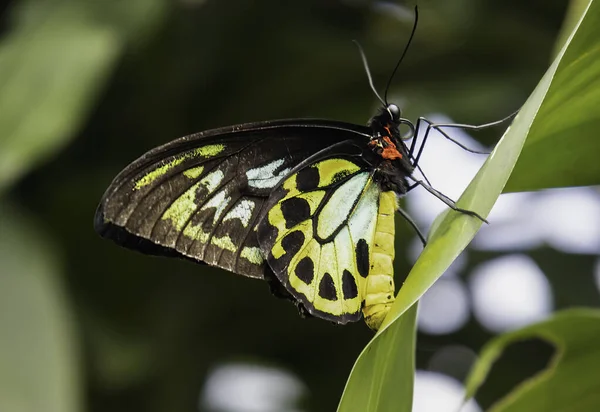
(212, 180)
(264, 177)
(339, 206)
(362, 222)
(264, 172)
(344, 250)
(242, 211)
(218, 201)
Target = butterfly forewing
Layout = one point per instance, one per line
(202, 196)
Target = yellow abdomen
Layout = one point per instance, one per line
(379, 290)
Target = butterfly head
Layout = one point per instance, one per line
(386, 139)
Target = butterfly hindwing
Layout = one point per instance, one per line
(201, 196)
(319, 233)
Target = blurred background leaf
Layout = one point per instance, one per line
(568, 383)
(39, 354)
(54, 63)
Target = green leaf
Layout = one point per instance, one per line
(570, 383)
(39, 369)
(386, 383)
(574, 12)
(562, 147)
(451, 234)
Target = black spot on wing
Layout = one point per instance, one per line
(295, 210)
(305, 270)
(349, 288)
(266, 234)
(307, 179)
(327, 288)
(291, 244)
(362, 257)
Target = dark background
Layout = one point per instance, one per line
(149, 330)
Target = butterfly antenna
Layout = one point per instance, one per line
(366, 64)
(412, 34)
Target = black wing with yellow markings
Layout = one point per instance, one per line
(201, 196)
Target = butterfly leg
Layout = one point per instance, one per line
(473, 127)
(449, 202)
(412, 223)
(302, 311)
(275, 286)
(439, 127)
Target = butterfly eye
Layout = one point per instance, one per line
(394, 111)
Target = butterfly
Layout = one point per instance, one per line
(307, 205)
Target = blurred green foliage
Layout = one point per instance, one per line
(569, 383)
(39, 350)
(88, 86)
(54, 61)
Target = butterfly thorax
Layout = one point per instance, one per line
(390, 151)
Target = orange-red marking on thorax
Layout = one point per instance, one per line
(390, 152)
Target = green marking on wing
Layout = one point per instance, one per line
(156, 173)
(204, 151)
(194, 172)
(196, 232)
(224, 243)
(182, 208)
(185, 205)
(253, 255)
(210, 150)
